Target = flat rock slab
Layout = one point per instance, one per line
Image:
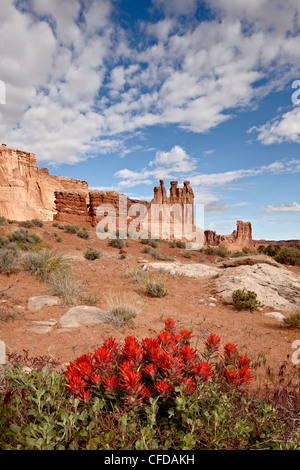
(250, 261)
(276, 287)
(2, 352)
(185, 269)
(42, 301)
(276, 315)
(82, 315)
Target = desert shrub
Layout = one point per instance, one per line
(122, 308)
(216, 250)
(72, 229)
(155, 287)
(123, 256)
(92, 254)
(8, 260)
(31, 223)
(180, 244)
(58, 239)
(245, 300)
(146, 249)
(3, 241)
(288, 256)
(83, 233)
(2, 220)
(293, 320)
(10, 221)
(269, 250)
(186, 254)
(172, 244)
(116, 243)
(65, 285)
(136, 275)
(151, 394)
(46, 263)
(25, 240)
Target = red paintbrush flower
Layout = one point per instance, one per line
(131, 379)
(212, 343)
(103, 361)
(202, 371)
(84, 395)
(187, 354)
(170, 325)
(244, 361)
(76, 385)
(163, 388)
(230, 352)
(190, 386)
(151, 370)
(132, 351)
(111, 383)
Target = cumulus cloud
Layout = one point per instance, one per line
(294, 207)
(78, 82)
(285, 128)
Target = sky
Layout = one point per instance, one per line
(123, 93)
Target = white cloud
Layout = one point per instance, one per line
(78, 83)
(285, 128)
(294, 207)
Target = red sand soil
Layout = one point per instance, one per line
(255, 335)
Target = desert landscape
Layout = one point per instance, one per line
(199, 283)
(149, 227)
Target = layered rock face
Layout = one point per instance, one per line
(239, 239)
(26, 191)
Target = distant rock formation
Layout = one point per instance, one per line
(239, 239)
(26, 191)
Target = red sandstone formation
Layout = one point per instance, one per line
(26, 191)
(239, 239)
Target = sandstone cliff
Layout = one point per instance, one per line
(26, 191)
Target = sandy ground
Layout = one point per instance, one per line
(256, 335)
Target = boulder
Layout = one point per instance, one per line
(2, 353)
(42, 301)
(276, 287)
(82, 315)
(249, 260)
(184, 269)
(276, 315)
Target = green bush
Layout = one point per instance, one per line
(83, 233)
(25, 240)
(31, 223)
(72, 229)
(116, 243)
(245, 300)
(288, 256)
(2, 220)
(8, 260)
(155, 287)
(293, 320)
(92, 254)
(186, 254)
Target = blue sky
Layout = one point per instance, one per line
(123, 93)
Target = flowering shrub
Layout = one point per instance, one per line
(158, 367)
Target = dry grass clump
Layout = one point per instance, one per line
(122, 308)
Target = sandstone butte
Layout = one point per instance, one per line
(27, 192)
